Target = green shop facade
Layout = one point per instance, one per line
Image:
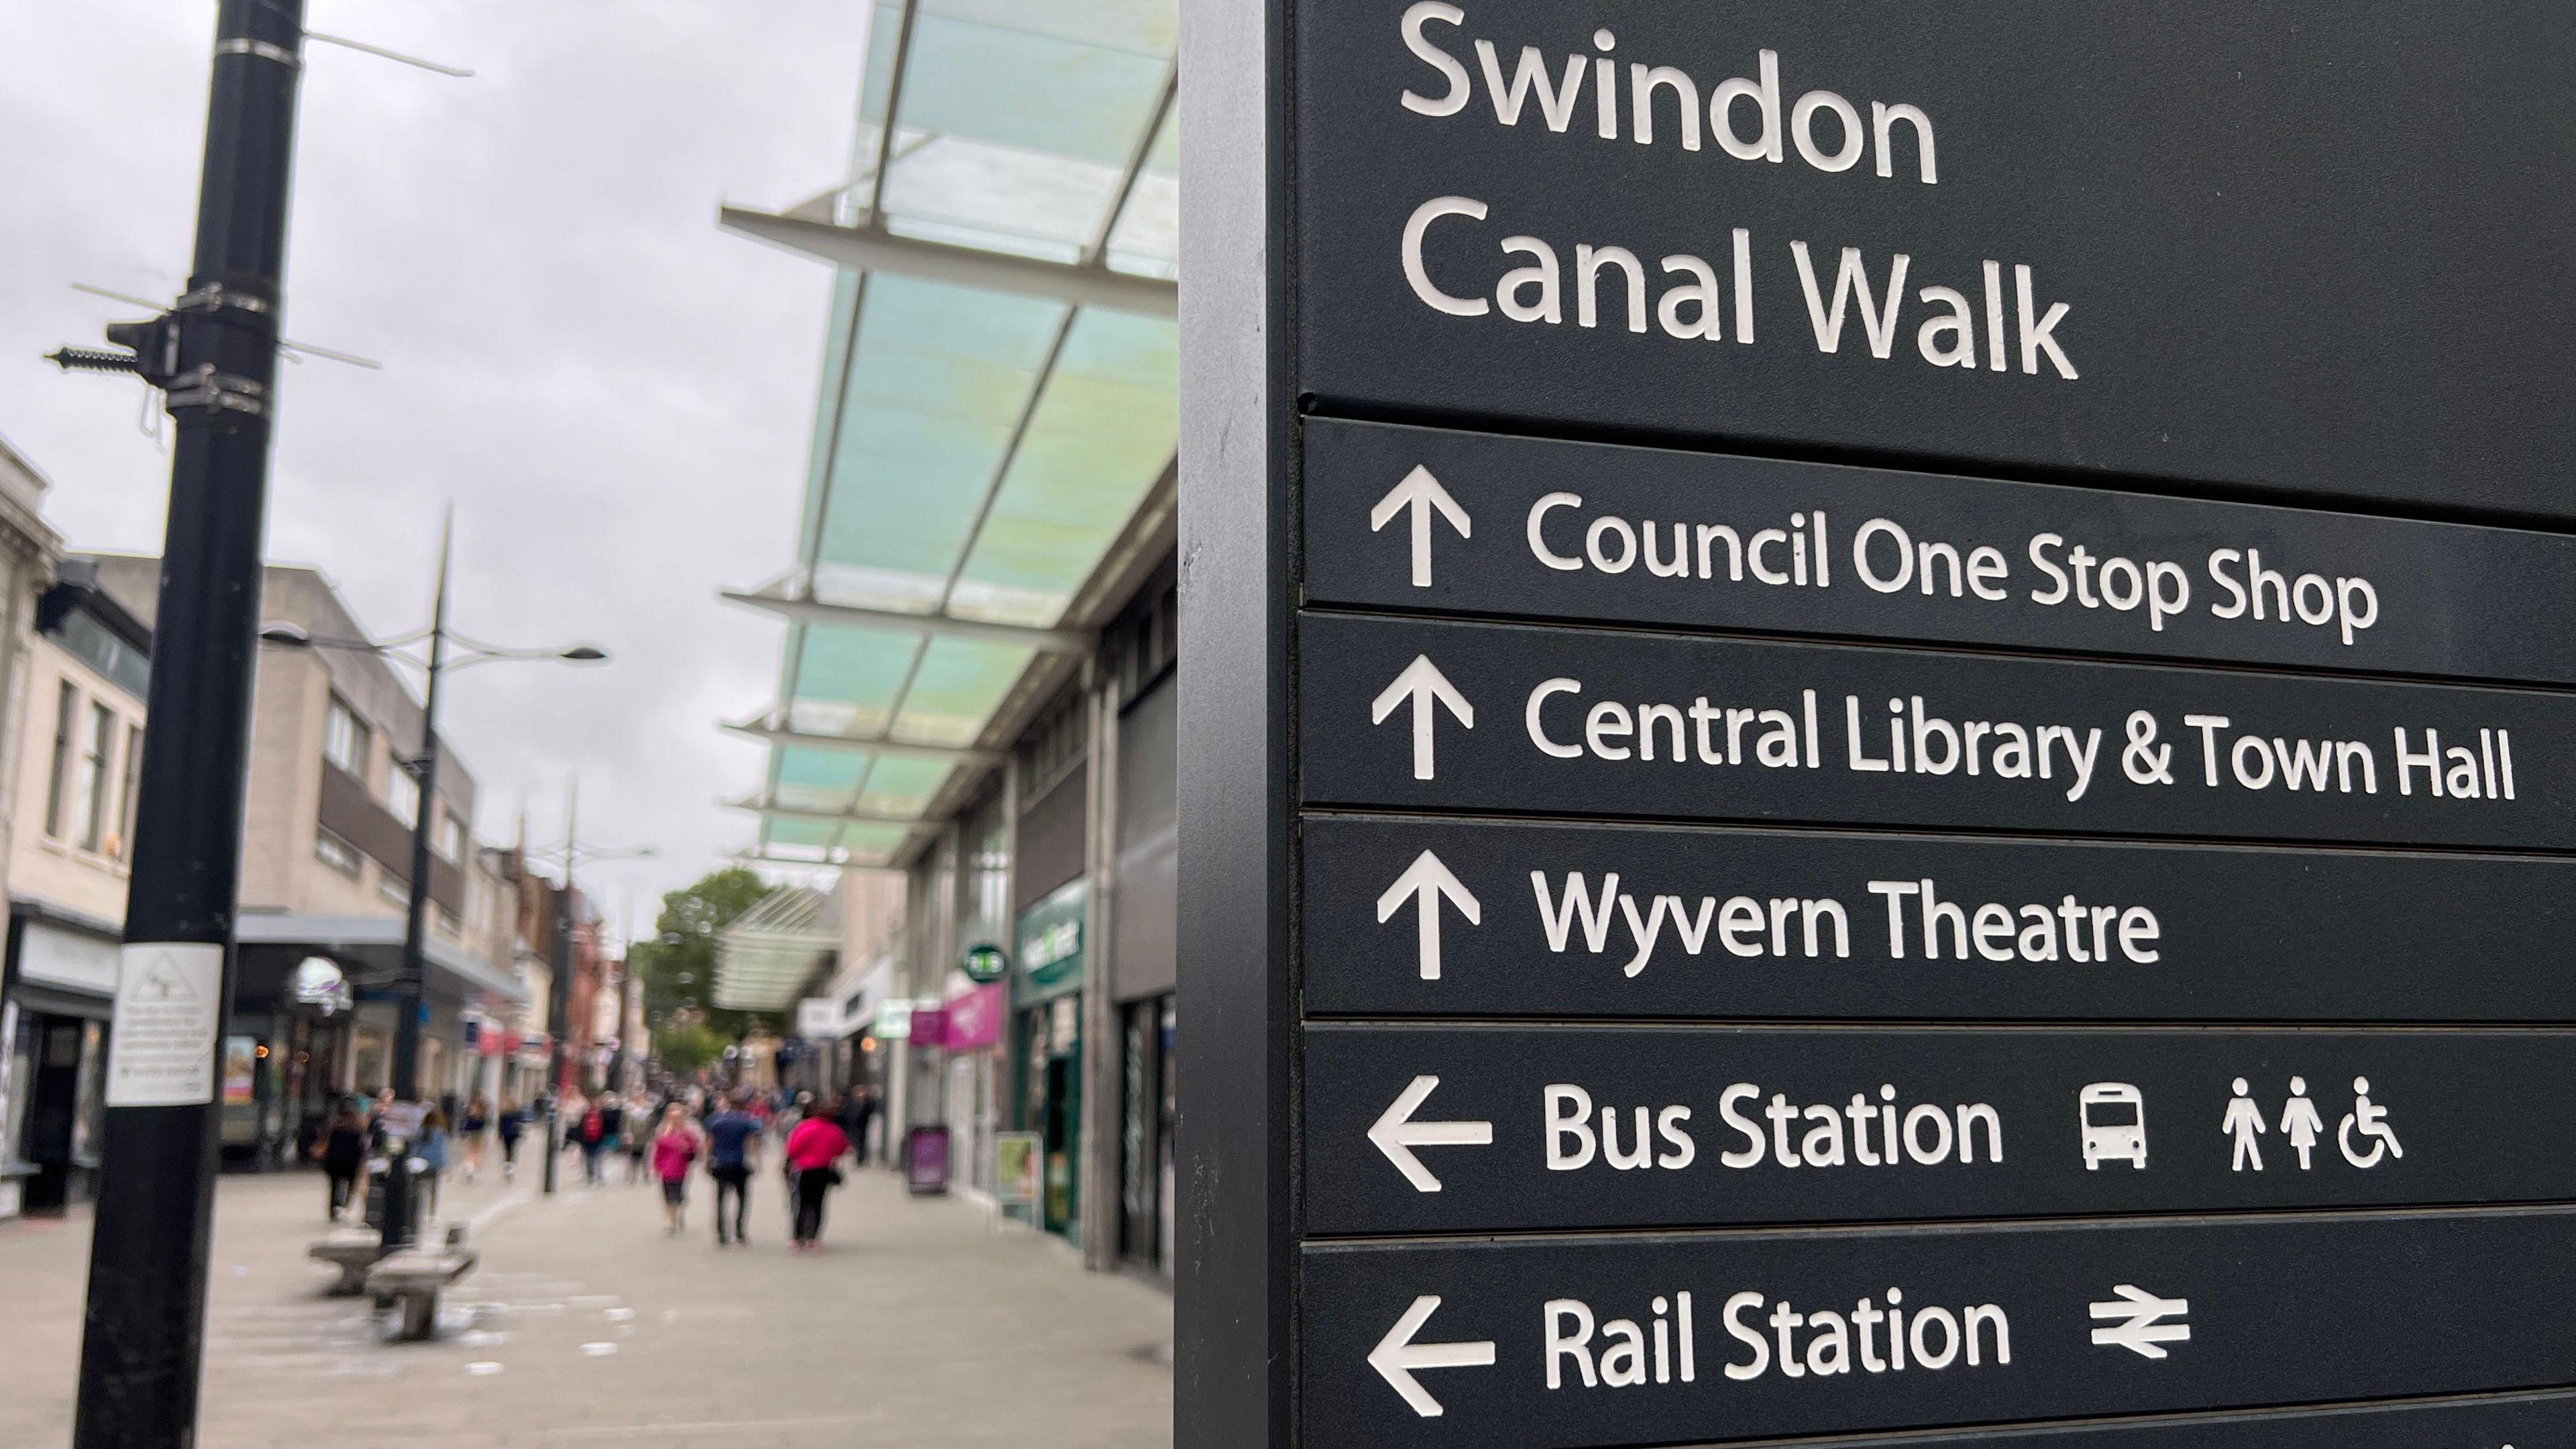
(1047, 1047)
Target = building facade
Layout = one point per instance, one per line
(326, 855)
(72, 676)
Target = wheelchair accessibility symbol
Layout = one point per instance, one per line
(2370, 1120)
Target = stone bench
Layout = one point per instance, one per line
(415, 1277)
(351, 1250)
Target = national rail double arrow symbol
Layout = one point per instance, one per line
(1426, 881)
(2142, 1332)
(1397, 1356)
(1421, 493)
(1397, 1134)
(1422, 683)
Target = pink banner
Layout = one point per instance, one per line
(975, 1019)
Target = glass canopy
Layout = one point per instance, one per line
(976, 452)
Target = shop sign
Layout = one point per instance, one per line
(56, 957)
(987, 962)
(1015, 1167)
(241, 1068)
(929, 1026)
(1050, 942)
(894, 1020)
(975, 1019)
(817, 1018)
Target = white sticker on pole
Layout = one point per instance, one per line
(169, 1009)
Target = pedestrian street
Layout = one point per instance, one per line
(919, 1324)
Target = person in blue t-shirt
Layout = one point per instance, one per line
(733, 1155)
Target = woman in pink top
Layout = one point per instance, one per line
(812, 1148)
(675, 1146)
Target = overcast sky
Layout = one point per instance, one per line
(616, 395)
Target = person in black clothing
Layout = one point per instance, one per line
(343, 1150)
(509, 1124)
(856, 1114)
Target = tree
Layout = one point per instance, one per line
(678, 966)
(684, 1046)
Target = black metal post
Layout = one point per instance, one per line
(559, 992)
(399, 1229)
(143, 1337)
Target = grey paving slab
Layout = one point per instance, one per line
(918, 1325)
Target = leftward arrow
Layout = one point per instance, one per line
(1421, 493)
(1426, 881)
(1397, 1134)
(1422, 683)
(1397, 1356)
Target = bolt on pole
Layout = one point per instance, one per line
(143, 1338)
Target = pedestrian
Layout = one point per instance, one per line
(342, 1149)
(860, 1110)
(813, 1149)
(590, 1134)
(613, 1129)
(733, 1155)
(431, 1153)
(509, 1124)
(638, 1141)
(478, 1121)
(676, 1146)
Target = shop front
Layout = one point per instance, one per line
(1046, 1002)
(315, 1007)
(54, 1029)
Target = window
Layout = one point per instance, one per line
(66, 714)
(334, 852)
(395, 892)
(344, 740)
(402, 792)
(451, 835)
(133, 789)
(95, 778)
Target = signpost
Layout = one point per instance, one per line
(1879, 727)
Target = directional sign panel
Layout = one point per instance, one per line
(1469, 1129)
(1883, 750)
(2299, 250)
(1424, 518)
(1413, 917)
(1485, 717)
(1570, 1343)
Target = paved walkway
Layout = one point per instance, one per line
(585, 1326)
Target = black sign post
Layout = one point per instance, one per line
(1876, 727)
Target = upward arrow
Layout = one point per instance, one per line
(1422, 683)
(1426, 881)
(1421, 493)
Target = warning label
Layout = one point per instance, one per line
(169, 1008)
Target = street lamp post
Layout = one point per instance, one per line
(413, 981)
(559, 974)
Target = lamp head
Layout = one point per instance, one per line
(286, 636)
